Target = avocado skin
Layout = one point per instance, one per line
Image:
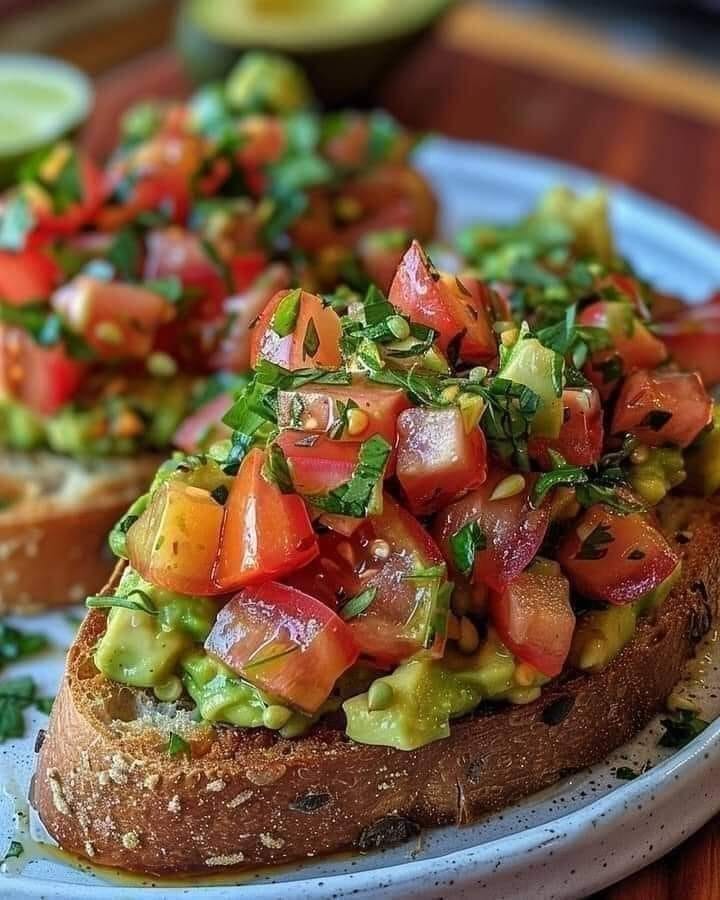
(338, 75)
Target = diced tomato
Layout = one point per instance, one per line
(580, 441)
(119, 321)
(634, 346)
(266, 534)
(49, 222)
(246, 268)
(43, 378)
(380, 254)
(393, 557)
(535, 620)
(174, 251)
(27, 277)
(204, 426)
(314, 341)
(629, 287)
(438, 459)
(662, 407)
(233, 350)
(444, 303)
(693, 340)
(284, 641)
(263, 140)
(513, 530)
(175, 542)
(317, 463)
(317, 407)
(615, 559)
(348, 147)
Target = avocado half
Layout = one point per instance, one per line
(344, 47)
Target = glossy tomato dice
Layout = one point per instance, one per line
(580, 441)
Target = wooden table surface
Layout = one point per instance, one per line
(543, 86)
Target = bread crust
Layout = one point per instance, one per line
(53, 537)
(107, 790)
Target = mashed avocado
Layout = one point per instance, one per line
(658, 474)
(703, 460)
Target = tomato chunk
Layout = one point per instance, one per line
(50, 221)
(535, 620)
(580, 441)
(693, 339)
(266, 534)
(317, 463)
(662, 407)
(444, 303)
(297, 331)
(205, 425)
(396, 560)
(119, 321)
(27, 276)
(634, 346)
(43, 378)
(319, 407)
(615, 559)
(438, 459)
(175, 542)
(285, 642)
(513, 530)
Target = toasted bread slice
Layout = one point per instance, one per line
(107, 789)
(54, 520)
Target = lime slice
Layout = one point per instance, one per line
(41, 99)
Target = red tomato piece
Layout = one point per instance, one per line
(693, 339)
(662, 407)
(43, 378)
(266, 534)
(444, 303)
(246, 268)
(313, 342)
(438, 460)
(119, 321)
(174, 251)
(513, 529)
(263, 140)
(407, 613)
(581, 437)
(634, 346)
(50, 223)
(241, 310)
(380, 253)
(535, 620)
(27, 276)
(317, 407)
(285, 642)
(317, 463)
(615, 559)
(175, 542)
(204, 426)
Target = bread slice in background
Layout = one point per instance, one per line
(55, 516)
(107, 789)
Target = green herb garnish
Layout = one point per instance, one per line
(15, 644)
(355, 497)
(15, 850)
(16, 695)
(595, 545)
(177, 745)
(136, 600)
(286, 315)
(681, 729)
(357, 604)
(464, 544)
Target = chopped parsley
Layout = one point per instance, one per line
(311, 341)
(17, 695)
(16, 644)
(357, 604)
(136, 600)
(14, 851)
(681, 729)
(357, 496)
(656, 419)
(177, 745)
(595, 545)
(286, 315)
(464, 544)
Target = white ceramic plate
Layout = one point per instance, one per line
(570, 840)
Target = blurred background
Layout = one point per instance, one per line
(630, 89)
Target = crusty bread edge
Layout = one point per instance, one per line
(54, 552)
(111, 793)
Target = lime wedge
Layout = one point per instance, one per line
(41, 99)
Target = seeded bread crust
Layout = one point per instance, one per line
(106, 788)
(54, 522)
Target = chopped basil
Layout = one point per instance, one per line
(137, 600)
(276, 469)
(170, 287)
(16, 695)
(464, 544)
(357, 604)
(220, 494)
(16, 644)
(355, 497)
(177, 745)
(595, 544)
(311, 341)
(589, 494)
(15, 850)
(626, 773)
(562, 474)
(286, 315)
(681, 729)
(16, 223)
(272, 657)
(125, 253)
(612, 369)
